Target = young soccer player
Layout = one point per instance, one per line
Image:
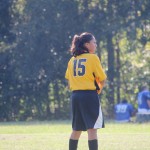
(144, 100)
(123, 111)
(84, 68)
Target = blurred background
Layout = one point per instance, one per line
(35, 37)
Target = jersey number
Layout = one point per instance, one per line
(79, 67)
(121, 109)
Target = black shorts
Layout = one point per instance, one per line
(86, 110)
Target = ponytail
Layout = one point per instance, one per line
(77, 46)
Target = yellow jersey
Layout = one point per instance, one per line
(83, 70)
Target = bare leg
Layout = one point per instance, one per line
(92, 134)
(73, 141)
(92, 139)
(75, 135)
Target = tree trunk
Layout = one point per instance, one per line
(110, 73)
(118, 72)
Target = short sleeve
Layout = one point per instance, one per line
(67, 73)
(148, 95)
(98, 70)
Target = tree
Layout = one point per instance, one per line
(33, 63)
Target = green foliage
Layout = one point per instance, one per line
(34, 43)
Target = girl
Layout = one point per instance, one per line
(83, 72)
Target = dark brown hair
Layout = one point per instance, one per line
(77, 47)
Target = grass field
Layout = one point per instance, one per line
(54, 135)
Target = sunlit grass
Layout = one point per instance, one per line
(54, 135)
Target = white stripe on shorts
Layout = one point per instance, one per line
(99, 121)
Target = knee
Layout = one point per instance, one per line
(75, 134)
(92, 134)
(92, 131)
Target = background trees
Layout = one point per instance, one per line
(34, 43)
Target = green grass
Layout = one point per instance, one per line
(54, 135)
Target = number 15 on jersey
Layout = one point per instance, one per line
(79, 67)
